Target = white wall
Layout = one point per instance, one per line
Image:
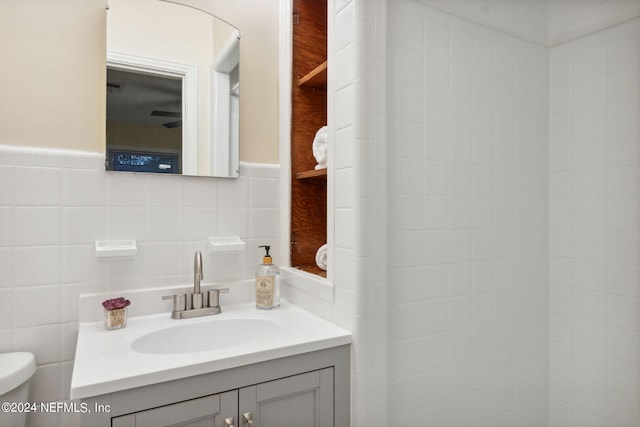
(467, 226)
(595, 229)
(526, 19)
(55, 205)
(544, 22)
(571, 19)
(54, 73)
(594, 220)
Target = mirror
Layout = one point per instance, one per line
(173, 90)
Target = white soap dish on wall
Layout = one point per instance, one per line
(106, 249)
(226, 244)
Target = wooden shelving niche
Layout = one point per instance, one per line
(308, 114)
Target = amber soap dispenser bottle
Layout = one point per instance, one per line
(267, 283)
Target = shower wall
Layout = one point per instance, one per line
(467, 223)
(595, 229)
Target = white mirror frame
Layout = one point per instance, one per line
(189, 75)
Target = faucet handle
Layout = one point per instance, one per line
(179, 301)
(214, 296)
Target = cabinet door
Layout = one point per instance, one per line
(304, 400)
(209, 411)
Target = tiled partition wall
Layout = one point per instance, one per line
(468, 209)
(356, 103)
(55, 204)
(595, 229)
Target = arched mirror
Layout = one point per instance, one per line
(173, 90)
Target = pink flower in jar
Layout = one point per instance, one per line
(115, 303)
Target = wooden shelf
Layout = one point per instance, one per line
(311, 174)
(316, 78)
(312, 269)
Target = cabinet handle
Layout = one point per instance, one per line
(247, 418)
(228, 422)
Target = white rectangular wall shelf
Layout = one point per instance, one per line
(109, 249)
(226, 244)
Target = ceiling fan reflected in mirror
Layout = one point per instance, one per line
(143, 98)
(175, 114)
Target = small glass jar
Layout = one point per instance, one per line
(115, 319)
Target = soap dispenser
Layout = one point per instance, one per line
(267, 283)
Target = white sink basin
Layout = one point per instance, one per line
(205, 336)
(155, 348)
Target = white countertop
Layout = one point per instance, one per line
(106, 362)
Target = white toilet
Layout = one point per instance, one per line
(15, 371)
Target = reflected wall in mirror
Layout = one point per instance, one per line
(173, 90)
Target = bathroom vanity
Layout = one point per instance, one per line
(310, 389)
(243, 367)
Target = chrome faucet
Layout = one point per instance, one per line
(181, 307)
(197, 272)
(196, 296)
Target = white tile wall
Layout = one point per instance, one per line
(467, 328)
(595, 194)
(54, 205)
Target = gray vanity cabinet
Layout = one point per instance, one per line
(304, 400)
(305, 390)
(209, 411)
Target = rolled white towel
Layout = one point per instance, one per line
(320, 148)
(321, 257)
